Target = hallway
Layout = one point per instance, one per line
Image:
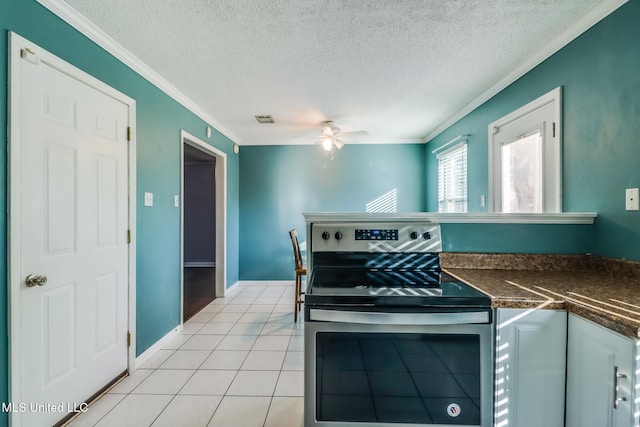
(239, 362)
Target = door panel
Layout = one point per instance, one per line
(593, 354)
(59, 333)
(107, 226)
(106, 309)
(74, 220)
(59, 199)
(59, 108)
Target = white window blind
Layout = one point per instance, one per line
(452, 179)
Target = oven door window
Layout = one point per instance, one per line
(398, 378)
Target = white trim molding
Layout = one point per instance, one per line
(102, 39)
(457, 218)
(221, 209)
(72, 17)
(597, 13)
(245, 283)
(532, 117)
(158, 345)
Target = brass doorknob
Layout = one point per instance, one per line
(35, 280)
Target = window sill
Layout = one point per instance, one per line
(455, 218)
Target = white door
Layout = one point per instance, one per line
(73, 199)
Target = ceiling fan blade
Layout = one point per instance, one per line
(338, 143)
(354, 133)
(328, 132)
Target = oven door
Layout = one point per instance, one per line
(390, 369)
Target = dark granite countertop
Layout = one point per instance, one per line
(605, 291)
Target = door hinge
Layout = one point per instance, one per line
(128, 236)
(128, 133)
(553, 129)
(128, 339)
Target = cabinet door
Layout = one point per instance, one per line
(530, 367)
(595, 355)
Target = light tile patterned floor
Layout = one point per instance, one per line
(239, 362)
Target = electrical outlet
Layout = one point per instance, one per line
(633, 199)
(483, 200)
(148, 199)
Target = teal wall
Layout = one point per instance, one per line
(599, 76)
(601, 90)
(159, 121)
(279, 183)
(517, 238)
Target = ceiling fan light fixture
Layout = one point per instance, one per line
(331, 136)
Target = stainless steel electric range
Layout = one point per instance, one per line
(390, 339)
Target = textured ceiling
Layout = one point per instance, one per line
(398, 69)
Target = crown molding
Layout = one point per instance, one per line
(95, 34)
(102, 39)
(594, 15)
(351, 141)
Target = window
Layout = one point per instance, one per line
(524, 158)
(522, 174)
(452, 179)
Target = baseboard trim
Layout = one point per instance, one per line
(240, 283)
(231, 290)
(151, 351)
(264, 282)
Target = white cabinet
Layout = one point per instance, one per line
(530, 367)
(600, 376)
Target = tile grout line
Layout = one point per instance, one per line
(274, 322)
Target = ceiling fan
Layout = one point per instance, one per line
(332, 135)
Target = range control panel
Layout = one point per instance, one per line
(376, 237)
(376, 234)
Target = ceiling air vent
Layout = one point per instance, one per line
(264, 119)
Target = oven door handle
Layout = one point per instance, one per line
(378, 318)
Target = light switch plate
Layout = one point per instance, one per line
(176, 201)
(633, 199)
(148, 199)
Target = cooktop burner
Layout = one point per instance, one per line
(380, 291)
(372, 277)
(384, 265)
(349, 286)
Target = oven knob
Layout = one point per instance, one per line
(326, 235)
(338, 235)
(426, 235)
(413, 235)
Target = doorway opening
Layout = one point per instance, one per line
(203, 229)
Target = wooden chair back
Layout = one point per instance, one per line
(297, 254)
